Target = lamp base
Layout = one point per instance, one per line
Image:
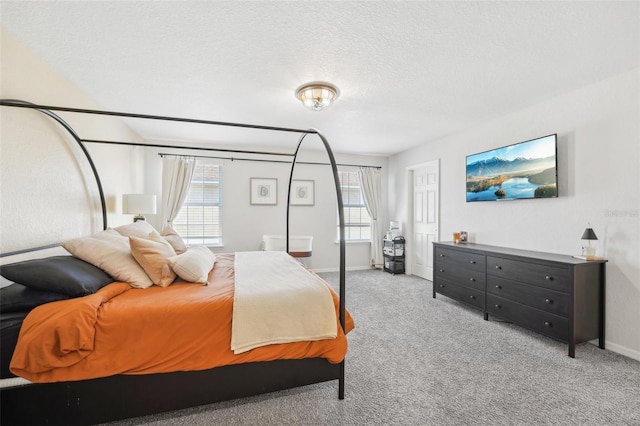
(139, 217)
(579, 256)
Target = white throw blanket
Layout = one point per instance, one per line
(278, 301)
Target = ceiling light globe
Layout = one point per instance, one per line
(317, 96)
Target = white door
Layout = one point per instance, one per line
(425, 217)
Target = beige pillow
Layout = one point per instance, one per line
(152, 254)
(110, 251)
(174, 239)
(140, 229)
(194, 264)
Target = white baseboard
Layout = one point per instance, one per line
(622, 350)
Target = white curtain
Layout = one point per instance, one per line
(371, 184)
(176, 178)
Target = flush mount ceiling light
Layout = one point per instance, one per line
(317, 95)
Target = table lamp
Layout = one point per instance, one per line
(138, 204)
(589, 235)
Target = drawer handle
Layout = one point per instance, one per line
(498, 306)
(473, 262)
(441, 255)
(472, 297)
(498, 286)
(548, 301)
(547, 323)
(472, 279)
(498, 267)
(548, 278)
(441, 270)
(442, 285)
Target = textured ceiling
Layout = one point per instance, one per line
(409, 72)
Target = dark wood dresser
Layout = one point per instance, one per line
(556, 295)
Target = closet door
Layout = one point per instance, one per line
(426, 218)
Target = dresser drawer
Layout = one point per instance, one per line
(551, 277)
(536, 297)
(461, 293)
(539, 321)
(461, 259)
(466, 277)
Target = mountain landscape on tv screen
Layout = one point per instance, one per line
(498, 178)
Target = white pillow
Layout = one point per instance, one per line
(140, 229)
(194, 264)
(110, 251)
(174, 239)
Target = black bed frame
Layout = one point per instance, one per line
(124, 396)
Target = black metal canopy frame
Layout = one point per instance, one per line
(48, 110)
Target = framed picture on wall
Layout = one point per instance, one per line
(302, 192)
(264, 191)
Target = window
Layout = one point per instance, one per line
(199, 220)
(357, 223)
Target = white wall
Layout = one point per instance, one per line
(245, 224)
(46, 194)
(598, 131)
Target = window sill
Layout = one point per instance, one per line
(355, 242)
(210, 245)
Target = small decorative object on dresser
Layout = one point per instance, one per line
(556, 295)
(589, 235)
(393, 251)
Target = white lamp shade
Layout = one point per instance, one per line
(138, 204)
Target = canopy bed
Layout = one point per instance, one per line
(92, 393)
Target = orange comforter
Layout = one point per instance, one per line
(122, 330)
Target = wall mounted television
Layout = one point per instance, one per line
(523, 170)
